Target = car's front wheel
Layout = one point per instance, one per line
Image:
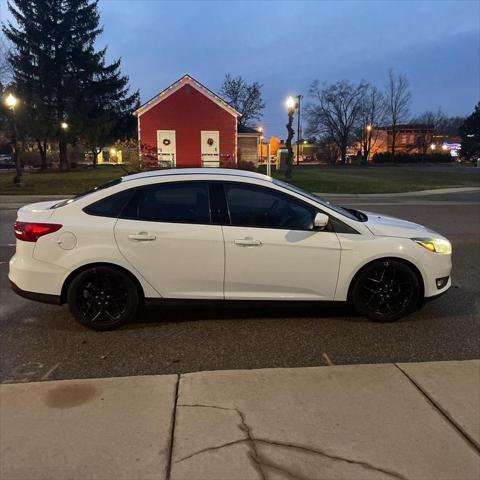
(102, 298)
(386, 290)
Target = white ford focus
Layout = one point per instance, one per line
(220, 235)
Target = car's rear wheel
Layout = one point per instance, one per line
(386, 290)
(102, 298)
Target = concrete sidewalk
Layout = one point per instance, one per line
(405, 421)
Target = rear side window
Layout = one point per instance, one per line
(110, 206)
(176, 202)
(252, 206)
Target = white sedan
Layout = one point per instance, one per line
(216, 234)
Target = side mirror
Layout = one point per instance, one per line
(321, 221)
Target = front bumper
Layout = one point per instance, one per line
(435, 266)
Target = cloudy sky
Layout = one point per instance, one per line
(285, 45)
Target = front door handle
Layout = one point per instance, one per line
(247, 242)
(142, 237)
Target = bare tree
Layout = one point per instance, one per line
(334, 112)
(243, 97)
(371, 115)
(398, 98)
(442, 123)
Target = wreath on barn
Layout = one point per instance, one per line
(166, 142)
(210, 141)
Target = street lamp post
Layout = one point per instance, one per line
(11, 102)
(290, 104)
(260, 129)
(299, 97)
(63, 145)
(368, 142)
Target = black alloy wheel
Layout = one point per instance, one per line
(102, 298)
(386, 290)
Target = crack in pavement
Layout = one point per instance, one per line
(443, 412)
(260, 461)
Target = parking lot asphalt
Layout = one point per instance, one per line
(42, 342)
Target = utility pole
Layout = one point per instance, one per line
(299, 133)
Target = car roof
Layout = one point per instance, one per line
(196, 171)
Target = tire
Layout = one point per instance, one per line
(386, 290)
(102, 298)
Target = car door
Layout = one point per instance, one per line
(166, 234)
(272, 250)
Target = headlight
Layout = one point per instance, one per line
(436, 245)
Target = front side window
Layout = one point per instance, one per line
(252, 206)
(176, 202)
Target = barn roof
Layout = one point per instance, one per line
(185, 80)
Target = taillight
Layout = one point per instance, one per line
(31, 232)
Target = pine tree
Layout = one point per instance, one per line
(470, 131)
(60, 75)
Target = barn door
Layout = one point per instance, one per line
(166, 147)
(210, 148)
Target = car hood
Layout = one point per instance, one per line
(384, 225)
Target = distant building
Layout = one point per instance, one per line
(187, 125)
(248, 144)
(410, 138)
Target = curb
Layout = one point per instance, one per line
(420, 193)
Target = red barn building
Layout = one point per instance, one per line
(187, 125)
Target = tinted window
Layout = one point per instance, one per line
(261, 207)
(343, 211)
(178, 202)
(110, 206)
(109, 184)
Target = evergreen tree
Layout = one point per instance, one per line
(470, 131)
(60, 75)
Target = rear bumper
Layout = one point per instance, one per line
(38, 297)
(32, 275)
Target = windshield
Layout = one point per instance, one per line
(349, 213)
(111, 183)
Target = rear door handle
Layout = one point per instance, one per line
(247, 242)
(142, 237)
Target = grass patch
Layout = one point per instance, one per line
(377, 179)
(322, 179)
(58, 183)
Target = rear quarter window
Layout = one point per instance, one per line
(110, 206)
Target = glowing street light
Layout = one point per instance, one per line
(369, 128)
(433, 146)
(290, 103)
(11, 101)
(63, 125)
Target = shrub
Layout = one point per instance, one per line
(244, 165)
(386, 157)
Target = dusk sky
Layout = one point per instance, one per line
(286, 45)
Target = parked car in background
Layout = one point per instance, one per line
(219, 234)
(6, 162)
